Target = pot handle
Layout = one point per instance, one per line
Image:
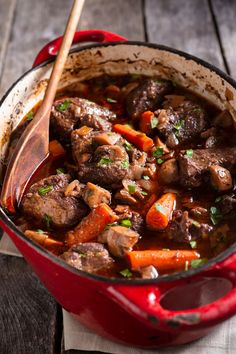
(95, 35)
(144, 302)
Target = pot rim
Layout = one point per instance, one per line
(40, 249)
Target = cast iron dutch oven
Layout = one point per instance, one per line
(173, 309)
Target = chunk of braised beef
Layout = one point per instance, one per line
(184, 229)
(147, 96)
(89, 257)
(47, 204)
(194, 169)
(124, 212)
(182, 123)
(108, 166)
(70, 113)
(227, 203)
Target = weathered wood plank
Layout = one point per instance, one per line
(123, 17)
(225, 14)
(185, 25)
(31, 33)
(6, 17)
(27, 312)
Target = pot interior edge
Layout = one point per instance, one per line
(114, 59)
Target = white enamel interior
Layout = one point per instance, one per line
(113, 59)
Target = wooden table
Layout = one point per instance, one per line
(30, 319)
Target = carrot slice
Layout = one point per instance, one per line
(141, 140)
(158, 216)
(163, 260)
(56, 149)
(92, 225)
(145, 123)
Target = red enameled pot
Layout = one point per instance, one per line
(167, 311)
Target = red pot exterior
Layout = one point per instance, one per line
(110, 310)
(146, 314)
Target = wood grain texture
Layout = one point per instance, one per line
(185, 25)
(225, 15)
(119, 16)
(27, 312)
(6, 17)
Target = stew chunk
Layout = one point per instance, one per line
(47, 204)
(147, 96)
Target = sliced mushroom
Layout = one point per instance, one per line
(107, 138)
(119, 239)
(168, 172)
(221, 178)
(73, 189)
(94, 195)
(149, 272)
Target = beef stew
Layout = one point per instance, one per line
(139, 182)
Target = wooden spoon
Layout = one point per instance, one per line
(32, 147)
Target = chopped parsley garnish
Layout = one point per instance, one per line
(105, 161)
(126, 273)
(146, 178)
(60, 170)
(82, 254)
(63, 106)
(127, 146)
(196, 223)
(40, 231)
(159, 161)
(126, 223)
(215, 215)
(154, 122)
(131, 188)
(30, 115)
(144, 193)
(189, 153)
(111, 100)
(47, 220)
(125, 164)
(160, 208)
(197, 110)
(218, 199)
(195, 263)
(179, 124)
(44, 190)
(158, 152)
(193, 244)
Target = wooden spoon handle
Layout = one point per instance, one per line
(62, 54)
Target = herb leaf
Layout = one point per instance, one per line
(218, 199)
(154, 122)
(126, 273)
(63, 106)
(146, 178)
(179, 124)
(44, 190)
(47, 220)
(111, 100)
(193, 244)
(189, 153)
(126, 223)
(105, 161)
(158, 152)
(60, 170)
(159, 161)
(131, 188)
(195, 263)
(144, 193)
(215, 215)
(30, 115)
(39, 231)
(160, 208)
(125, 164)
(127, 146)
